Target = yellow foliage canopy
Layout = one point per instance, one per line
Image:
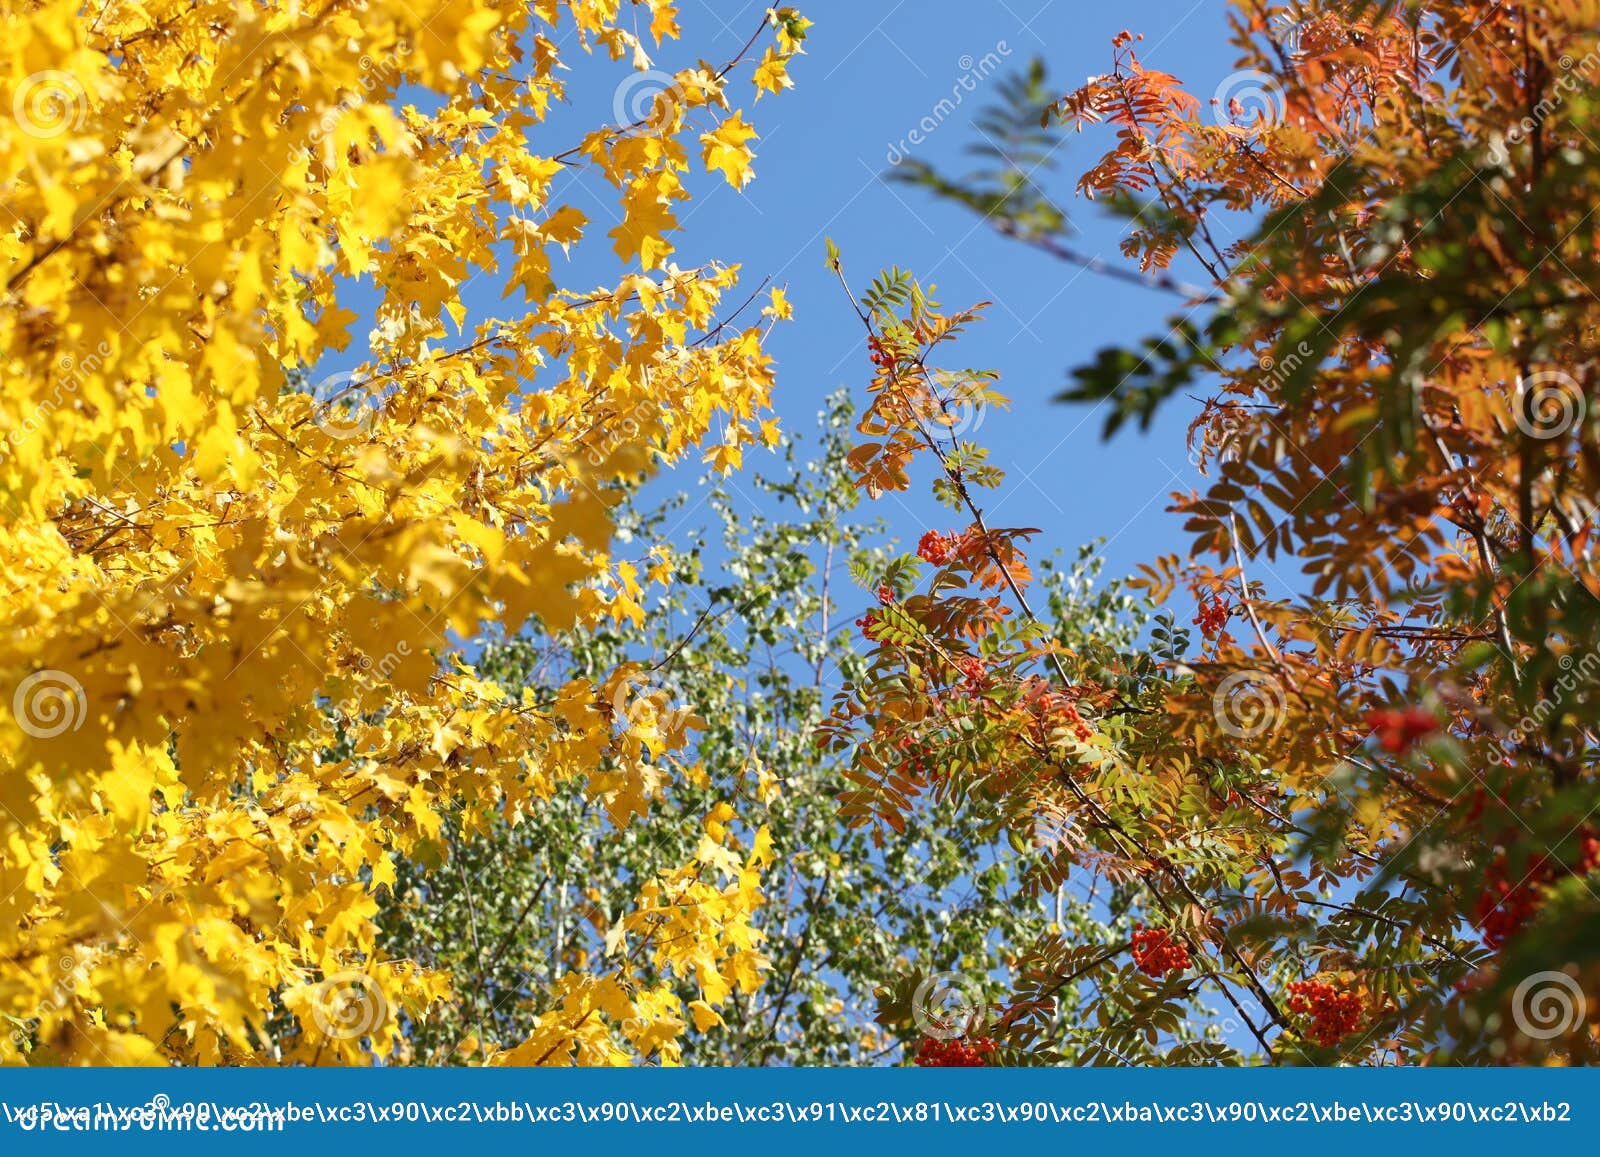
(230, 594)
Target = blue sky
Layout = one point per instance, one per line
(873, 70)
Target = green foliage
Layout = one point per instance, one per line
(763, 597)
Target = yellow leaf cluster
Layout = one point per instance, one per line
(234, 576)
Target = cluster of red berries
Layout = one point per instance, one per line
(1397, 730)
(973, 671)
(934, 548)
(1080, 729)
(1334, 1014)
(1157, 954)
(1212, 618)
(881, 357)
(871, 626)
(1505, 908)
(960, 1053)
(1052, 708)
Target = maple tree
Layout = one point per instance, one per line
(1359, 809)
(236, 581)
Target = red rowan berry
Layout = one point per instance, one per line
(1157, 954)
(954, 1054)
(1504, 908)
(934, 548)
(1398, 730)
(972, 669)
(1213, 617)
(1080, 729)
(1334, 1014)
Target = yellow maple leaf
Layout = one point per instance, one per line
(772, 74)
(726, 150)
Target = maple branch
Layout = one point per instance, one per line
(619, 130)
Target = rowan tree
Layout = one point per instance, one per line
(1359, 807)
